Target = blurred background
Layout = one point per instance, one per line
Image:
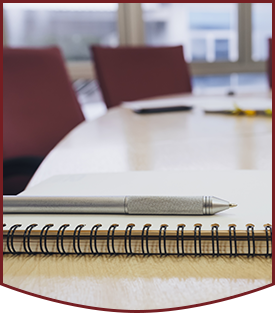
(226, 44)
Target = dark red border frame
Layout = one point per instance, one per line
(14, 299)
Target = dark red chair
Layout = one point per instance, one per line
(269, 62)
(39, 109)
(132, 73)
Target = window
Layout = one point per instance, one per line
(208, 31)
(261, 29)
(71, 26)
(218, 38)
(221, 49)
(199, 51)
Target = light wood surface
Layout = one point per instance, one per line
(124, 141)
(121, 282)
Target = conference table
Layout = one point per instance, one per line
(122, 141)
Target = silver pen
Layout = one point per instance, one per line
(153, 205)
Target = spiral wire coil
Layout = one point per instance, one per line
(145, 238)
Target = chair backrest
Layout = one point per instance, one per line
(39, 104)
(132, 73)
(269, 62)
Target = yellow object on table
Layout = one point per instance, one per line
(238, 111)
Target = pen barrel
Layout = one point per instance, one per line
(154, 205)
(64, 205)
(164, 205)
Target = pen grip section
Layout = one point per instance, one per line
(164, 205)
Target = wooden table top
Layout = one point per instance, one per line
(124, 141)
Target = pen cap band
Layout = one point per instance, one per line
(164, 205)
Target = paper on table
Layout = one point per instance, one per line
(243, 103)
(206, 103)
(250, 189)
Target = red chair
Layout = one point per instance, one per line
(132, 73)
(39, 109)
(269, 62)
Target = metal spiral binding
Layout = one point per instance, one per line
(26, 235)
(215, 227)
(45, 228)
(268, 227)
(250, 227)
(197, 227)
(111, 229)
(61, 230)
(163, 228)
(145, 228)
(77, 230)
(128, 229)
(180, 228)
(10, 234)
(95, 229)
(232, 227)
(144, 237)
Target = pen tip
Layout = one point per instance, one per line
(232, 205)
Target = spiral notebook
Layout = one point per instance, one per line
(244, 230)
